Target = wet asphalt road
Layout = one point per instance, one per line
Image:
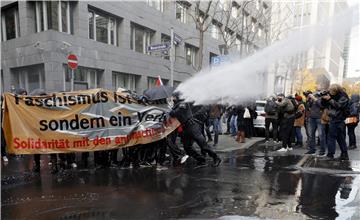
(254, 182)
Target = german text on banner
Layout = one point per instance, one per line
(81, 121)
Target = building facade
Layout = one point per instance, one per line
(110, 40)
(327, 62)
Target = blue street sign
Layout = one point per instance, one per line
(159, 47)
(177, 39)
(215, 61)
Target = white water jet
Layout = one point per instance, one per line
(238, 81)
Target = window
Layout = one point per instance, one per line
(181, 12)
(152, 81)
(140, 38)
(10, 26)
(215, 30)
(84, 78)
(190, 54)
(29, 77)
(211, 58)
(53, 15)
(102, 28)
(158, 4)
(124, 80)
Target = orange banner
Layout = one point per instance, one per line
(81, 121)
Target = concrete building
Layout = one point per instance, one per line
(327, 60)
(110, 40)
(282, 23)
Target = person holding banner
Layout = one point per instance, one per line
(182, 111)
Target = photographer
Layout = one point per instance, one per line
(315, 111)
(287, 118)
(353, 120)
(336, 101)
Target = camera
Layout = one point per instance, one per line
(324, 93)
(307, 93)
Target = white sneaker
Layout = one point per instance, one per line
(282, 150)
(73, 165)
(289, 148)
(5, 159)
(183, 159)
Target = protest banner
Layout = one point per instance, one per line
(81, 121)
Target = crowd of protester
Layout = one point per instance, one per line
(325, 115)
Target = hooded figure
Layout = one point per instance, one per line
(354, 115)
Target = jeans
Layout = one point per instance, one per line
(336, 131)
(351, 134)
(215, 123)
(313, 125)
(274, 124)
(298, 135)
(233, 125)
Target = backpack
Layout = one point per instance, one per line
(297, 112)
(270, 107)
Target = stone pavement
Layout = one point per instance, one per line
(227, 143)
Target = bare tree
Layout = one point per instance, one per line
(202, 14)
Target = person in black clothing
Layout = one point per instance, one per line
(201, 114)
(271, 118)
(336, 101)
(182, 111)
(287, 118)
(352, 124)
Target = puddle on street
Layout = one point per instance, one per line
(248, 183)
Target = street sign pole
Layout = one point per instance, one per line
(172, 56)
(72, 63)
(72, 80)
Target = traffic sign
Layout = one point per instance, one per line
(177, 39)
(72, 61)
(217, 60)
(159, 47)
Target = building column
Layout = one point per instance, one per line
(8, 79)
(26, 17)
(107, 79)
(81, 22)
(124, 33)
(54, 76)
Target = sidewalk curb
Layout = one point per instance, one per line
(246, 145)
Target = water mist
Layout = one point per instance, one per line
(239, 81)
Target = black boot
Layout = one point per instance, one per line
(343, 156)
(217, 162)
